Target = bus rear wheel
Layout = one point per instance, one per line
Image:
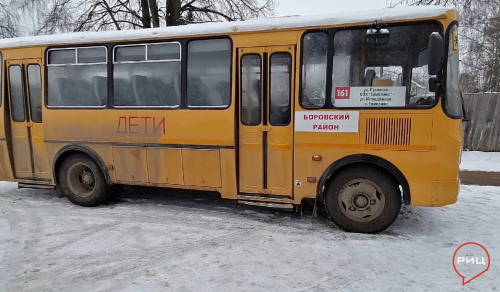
(363, 200)
(82, 181)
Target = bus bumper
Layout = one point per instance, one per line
(444, 192)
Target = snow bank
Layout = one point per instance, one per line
(171, 242)
(403, 13)
(480, 161)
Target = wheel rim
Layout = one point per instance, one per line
(81, 179)
(361, 200)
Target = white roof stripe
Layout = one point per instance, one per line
(403, 13)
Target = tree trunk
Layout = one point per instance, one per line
(173, 12)
(153, 6)
(146, 16)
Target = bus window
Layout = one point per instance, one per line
(78, 82)
(390, 74)
(314, 61)
(16, 94)
(280, 91)
(209, 73)
(452, 99)
(251, 90)
(1, 76)
(147, 75)
(35, 92)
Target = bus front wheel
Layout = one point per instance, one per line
(363, 199)
(82, 181)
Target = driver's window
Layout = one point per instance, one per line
(419, 90)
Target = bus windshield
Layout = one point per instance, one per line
(399, 62)
(389, 72)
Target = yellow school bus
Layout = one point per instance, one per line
(359, 112)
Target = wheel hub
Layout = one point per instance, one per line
(87, 178)
(81, 179)
(360, 201)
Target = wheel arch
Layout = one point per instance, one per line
(69, 150)
(364, 159)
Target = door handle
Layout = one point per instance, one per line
(265, 128)
(28, 124)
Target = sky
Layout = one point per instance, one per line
(297, 7)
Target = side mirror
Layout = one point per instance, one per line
(436, 53)
(433, 84)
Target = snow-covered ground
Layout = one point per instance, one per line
(157, 240)
(480, 161)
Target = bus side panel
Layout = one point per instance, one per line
(228, 174)
(6, 173)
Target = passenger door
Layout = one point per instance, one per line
(26, 132)
(265, 120)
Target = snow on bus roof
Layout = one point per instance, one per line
(339, 18)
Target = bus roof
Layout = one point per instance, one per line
(293, 22)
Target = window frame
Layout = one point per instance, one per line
(112, 76)
(23, 90)
(146, 45)
(46, 91)
(184, 41)
(290, 98)
(231, 78)
(28, 94)
(331, 32)
(444, 81)
(240, 89)
(328, 67)
(1, 80)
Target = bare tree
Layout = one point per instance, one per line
(33, 17)
(134, 14)
(479, 32)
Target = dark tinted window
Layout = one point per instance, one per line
(35, 92)
(153, 81)
(279, 85)
(251, 90)
(80, 84)
(91, 55)
(17, 94)
(67, 56)
(314, 60)
(1, 76)
(209, 69)
(170, 51)
(130, 53)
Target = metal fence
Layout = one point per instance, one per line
(482, 132)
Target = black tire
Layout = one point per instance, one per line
(72, 186)
(363, 199)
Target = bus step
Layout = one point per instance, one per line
(267, 205)
(278, 199)
(35, 186)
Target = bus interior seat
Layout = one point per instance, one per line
(140, 85)
(162, 92)
(123, 95)
(382, 82)
(73, 92)
(222, 89)
(100, 88)
(176, 85)
(369, 76)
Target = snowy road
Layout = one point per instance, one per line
(166, 242)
